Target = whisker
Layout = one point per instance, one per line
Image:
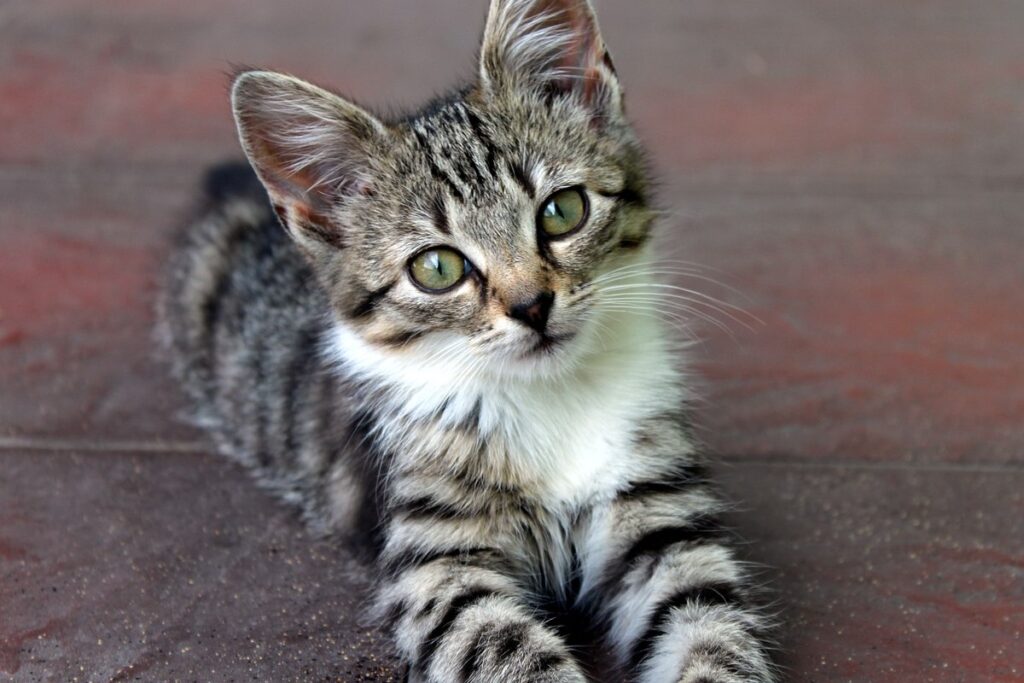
(680, 324)
(705, 299)
(637, 300)
(604, 279)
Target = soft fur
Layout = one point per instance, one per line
(511, 473)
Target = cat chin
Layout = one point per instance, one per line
(547, 357)
(429, 370)
(547, 362)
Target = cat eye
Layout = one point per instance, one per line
(563, 213)
(438, 269)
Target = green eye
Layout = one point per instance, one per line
(563, 212)
(439, 269)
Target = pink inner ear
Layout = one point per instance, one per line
(301, 220)
(303, 187)
(584, 33)
(288, 186)
(586, 54)
(591, 83)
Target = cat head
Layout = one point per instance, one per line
(475, 228)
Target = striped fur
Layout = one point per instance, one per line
(508, 474)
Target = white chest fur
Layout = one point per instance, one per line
(569, 436)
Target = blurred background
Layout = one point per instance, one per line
(854, 169)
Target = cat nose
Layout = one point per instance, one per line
(534, 313)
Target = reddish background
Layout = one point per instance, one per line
(854, 169)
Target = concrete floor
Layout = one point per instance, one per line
(855, 170)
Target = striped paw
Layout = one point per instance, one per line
(517, 652)
(488, 644)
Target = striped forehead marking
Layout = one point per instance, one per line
(460, 154)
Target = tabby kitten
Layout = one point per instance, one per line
(433, 348)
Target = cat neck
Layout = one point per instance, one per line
(567, 431)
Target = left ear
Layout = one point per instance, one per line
(311, 149)
(549, 46)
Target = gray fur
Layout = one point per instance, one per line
(475, 542)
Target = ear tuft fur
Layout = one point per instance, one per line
(549, 46)
(310, 148)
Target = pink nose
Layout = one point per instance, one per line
(534, 313)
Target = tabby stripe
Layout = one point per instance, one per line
(440, 216)
(690, 476)
(472, 419)
(356, 433)
(606, 231)
(467, 172)
(400, 338)
(427, 608)
(724, 659)
(477, 166)
(709, 595)
(610, 241)
(521, 177)
(469, 479)
(547, 661)
(634, 242)
(544, 249)
(509, 639)
(395, 612)
(492, 151)
(456, 607)
(429, 507)
(213, 305)
(608, 62)
(369, 303)
(628, 196)
(575, 576)
(701, 528)
(439, 175)
(475, 652)
(304, 354)
(261, 452)
(414, 560)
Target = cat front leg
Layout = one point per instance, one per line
(458, 616)
(676, 598)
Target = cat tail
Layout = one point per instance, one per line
(198, 279)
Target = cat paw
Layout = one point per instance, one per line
(541, 669)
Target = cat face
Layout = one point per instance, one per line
(479, 225)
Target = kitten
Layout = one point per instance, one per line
(450, 342)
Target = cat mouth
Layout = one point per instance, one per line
(547, 344)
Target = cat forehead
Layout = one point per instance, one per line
(469, 149)
(460, 150)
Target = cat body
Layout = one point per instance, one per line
(439, 329)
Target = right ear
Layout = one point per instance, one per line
(309, 147)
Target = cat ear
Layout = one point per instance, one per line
(550, 46)
(310, 148)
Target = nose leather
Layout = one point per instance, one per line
(534, 313)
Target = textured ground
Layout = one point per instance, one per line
(856, 170)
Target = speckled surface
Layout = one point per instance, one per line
(855, 170)
(154, 568)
